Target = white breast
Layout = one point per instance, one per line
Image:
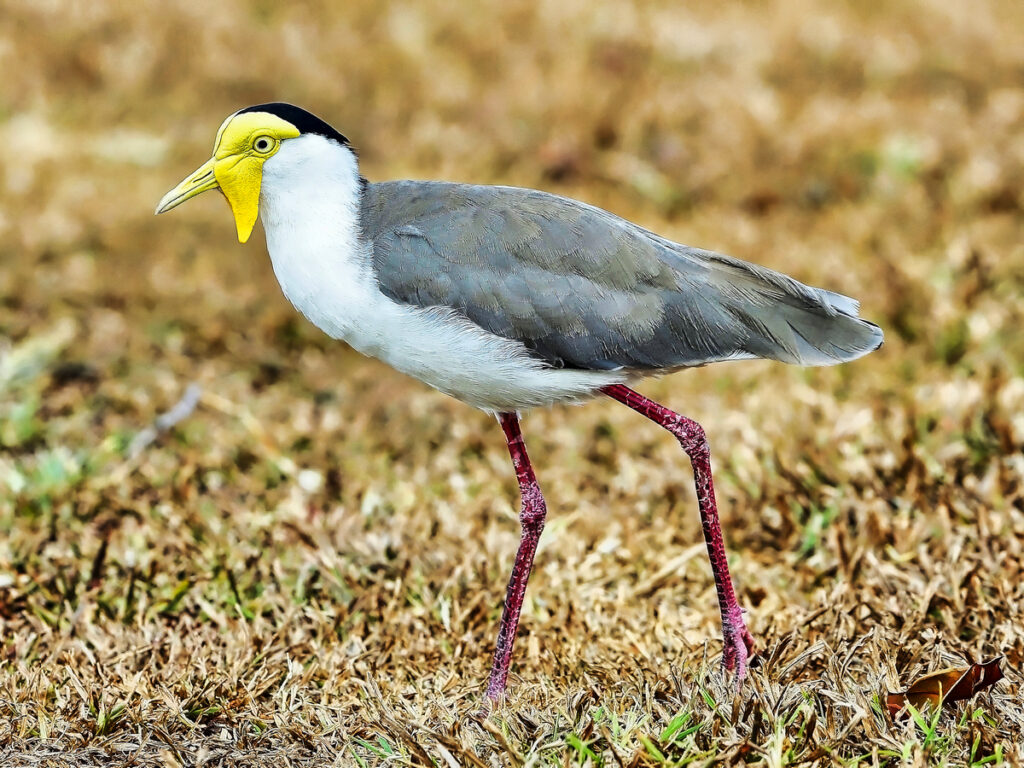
(309, 204)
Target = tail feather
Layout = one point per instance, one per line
(792, 322)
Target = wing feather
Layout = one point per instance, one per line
(585, 289)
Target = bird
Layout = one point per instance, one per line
(508, 299)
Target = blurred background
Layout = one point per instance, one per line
(873, 149)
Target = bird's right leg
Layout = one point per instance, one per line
(531, 517)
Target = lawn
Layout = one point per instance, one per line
(307, 569)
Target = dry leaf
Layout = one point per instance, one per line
(946, 686)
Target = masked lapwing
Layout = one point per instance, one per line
(508, 298)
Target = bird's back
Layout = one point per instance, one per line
(585, 289)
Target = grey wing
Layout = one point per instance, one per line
(585, 289)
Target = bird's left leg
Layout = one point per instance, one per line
(737, 640)
(531, 517)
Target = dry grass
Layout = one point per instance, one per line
(308, 570)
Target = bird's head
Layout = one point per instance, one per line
(245, 141)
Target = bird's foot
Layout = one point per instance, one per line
(738, 647)
(736, 656)
(487, 708)
(494, 696)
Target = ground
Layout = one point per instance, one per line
(308, 568)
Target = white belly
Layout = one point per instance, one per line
(437, 345)
(451, 354)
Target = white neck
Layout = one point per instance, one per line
(309, 204)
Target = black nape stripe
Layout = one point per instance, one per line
(305, 121)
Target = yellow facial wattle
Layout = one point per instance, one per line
(243, 144)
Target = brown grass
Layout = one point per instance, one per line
(308, 570)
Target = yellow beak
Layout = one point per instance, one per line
(237, 178)
(195, 184)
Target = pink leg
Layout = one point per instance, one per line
(737, 640)
(531, 516)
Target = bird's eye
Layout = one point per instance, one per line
(263, 144)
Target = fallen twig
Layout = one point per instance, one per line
(180, 410)
(146, 437)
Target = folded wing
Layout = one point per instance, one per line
(583, 288)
